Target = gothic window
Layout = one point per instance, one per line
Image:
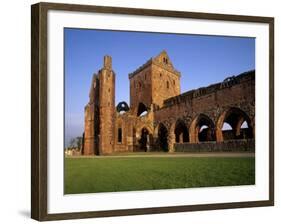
(167, 85)
(160, 74)
(174, 82)
(109, 90)
(119, 135)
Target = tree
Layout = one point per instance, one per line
(76, 142)
(79, 142)
(72, 143)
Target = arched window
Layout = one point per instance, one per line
(167, 84)
(142, 110)
(119, 135)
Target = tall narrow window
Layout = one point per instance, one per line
(119, 135)
(167, 85)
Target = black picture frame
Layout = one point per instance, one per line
(39, 105)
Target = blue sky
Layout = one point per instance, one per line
(202, 60)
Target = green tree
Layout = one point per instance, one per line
(72, 143)
(79, 142)
(76, 142)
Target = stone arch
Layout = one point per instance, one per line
(202, 129)
(235, 117)
(161, 135)
(144, 140)
(141, 109)
(147, 126)
(143, 137)
(181, 132)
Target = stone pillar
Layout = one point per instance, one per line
(219, 136)
(181, 138)
(148, 143)
(193, 135)
(237, 127)
(171, 141)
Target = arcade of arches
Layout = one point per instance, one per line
(203, 129)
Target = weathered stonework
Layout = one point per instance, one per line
(171, 119)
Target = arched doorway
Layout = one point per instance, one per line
(202, 129)
(163, 137)
(144, 140)
(181, 132)
(234, 124)
(142, 110)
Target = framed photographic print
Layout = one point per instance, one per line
(140, 111)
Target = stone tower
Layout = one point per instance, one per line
(153, 82)
(100, 112)
(106, 107)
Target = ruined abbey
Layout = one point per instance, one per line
(161, 118)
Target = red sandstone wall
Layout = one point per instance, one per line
(140, 89)
(241, 95)
(165, 84)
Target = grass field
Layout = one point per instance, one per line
(89, 175)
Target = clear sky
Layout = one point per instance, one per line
(202, 60)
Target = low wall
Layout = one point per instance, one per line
(240, 145)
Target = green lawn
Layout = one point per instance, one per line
(89, 175)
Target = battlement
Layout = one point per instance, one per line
(226, 83)
(146, 64)
(161, 60)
